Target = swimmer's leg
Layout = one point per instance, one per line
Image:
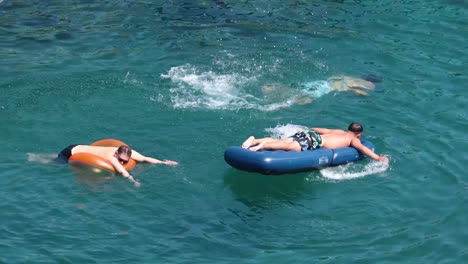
(345, 83)
(251, 141)
(286, 144)
(359, 92)
(348, 83)
(353, 82)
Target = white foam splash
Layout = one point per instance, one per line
(44, 158)
(283, 131)
(354, 170)
(204, 89)
(316, 89)
(207, 89)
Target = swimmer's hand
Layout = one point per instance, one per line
(130, 177)
(383, 159)
(169, 162)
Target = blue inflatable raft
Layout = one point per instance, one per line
(282, 162)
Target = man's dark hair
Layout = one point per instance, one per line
(124, 149)
(355, 127)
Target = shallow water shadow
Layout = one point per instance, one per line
(90, 176)
(258, 190)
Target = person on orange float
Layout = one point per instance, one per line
(117, 156)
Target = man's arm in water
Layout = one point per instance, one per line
(138, 157)
(356, 143)
(120, 169)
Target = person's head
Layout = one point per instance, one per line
(356, 128)
(123, 154)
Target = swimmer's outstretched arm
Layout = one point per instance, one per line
(138, 157)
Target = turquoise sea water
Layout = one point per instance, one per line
(182, 80)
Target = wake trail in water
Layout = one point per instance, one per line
(207, 89)
(43, 158)
(354, 170)
(283, 131)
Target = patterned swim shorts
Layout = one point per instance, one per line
(308, 139)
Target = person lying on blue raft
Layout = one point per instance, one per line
(315, 138)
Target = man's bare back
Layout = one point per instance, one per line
(104, 152)
(337, 139)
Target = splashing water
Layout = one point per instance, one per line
(44, 158)
(354, 170)
(283, 131)
(316, 89)
(207, 89)
(196, 88)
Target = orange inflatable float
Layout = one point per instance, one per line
(98, 162)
